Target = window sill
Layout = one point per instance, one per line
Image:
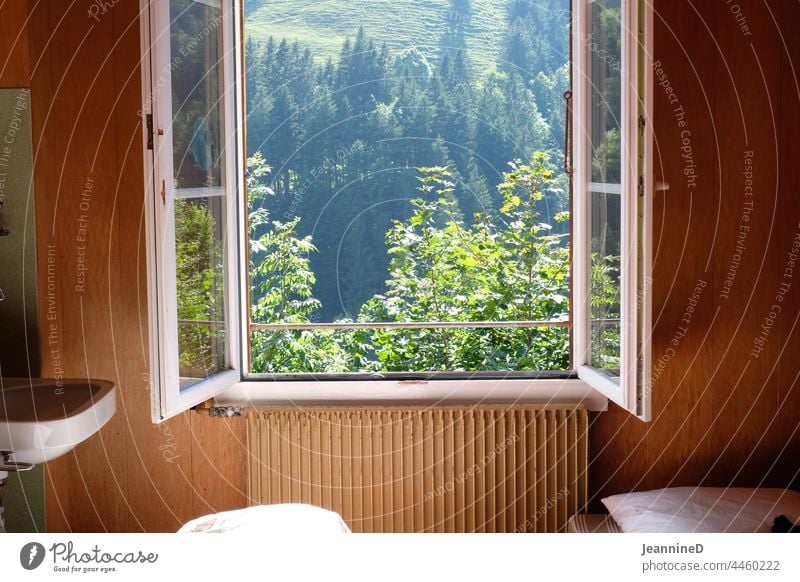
(422, 392)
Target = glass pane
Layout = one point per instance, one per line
(196, 106)
(199, 197)
(605, 56)
(200, 280)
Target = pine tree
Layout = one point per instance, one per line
(281, 140)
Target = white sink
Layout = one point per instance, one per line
(41, 419)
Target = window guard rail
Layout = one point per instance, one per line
(345, 325)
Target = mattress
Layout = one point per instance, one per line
(592, 523)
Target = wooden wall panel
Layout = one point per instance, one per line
(722, 415)
(14, 58)
(44, 179)
(683, 286)
(787, 424)
(75, 220)
(745, 113)
(133, 475)
(618, 451)
(219, 461)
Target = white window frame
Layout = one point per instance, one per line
(229, 388)
(168, 399)
(631, 390)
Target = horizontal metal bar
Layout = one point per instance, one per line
(412, 377)
(201, 323)
(397, 324)
(407, 325)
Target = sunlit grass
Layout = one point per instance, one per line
(323, 25)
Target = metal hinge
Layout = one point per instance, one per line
(148, 120)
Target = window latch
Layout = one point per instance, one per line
(567, 132)
(148, 120)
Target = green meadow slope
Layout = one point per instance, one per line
(323, 25)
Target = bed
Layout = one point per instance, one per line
(692, 510)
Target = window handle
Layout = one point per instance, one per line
(567, 131)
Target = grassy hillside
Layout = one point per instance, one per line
(323, 25)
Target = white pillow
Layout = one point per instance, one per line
(702, 509)
(282, 518)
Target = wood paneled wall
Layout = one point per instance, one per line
(721, 416)
(726, 408)
(14, 65)
(86, 92)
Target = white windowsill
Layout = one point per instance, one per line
(422, 392)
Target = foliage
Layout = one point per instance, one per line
(605, 310)
(435, 96)
(345, 115)
(509, 268)
(282, 281)
(199, 289)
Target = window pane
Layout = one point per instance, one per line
(199, 196)
(605, 281)
(605, 57)
(200, 280)
(405, 168)
(196, 80)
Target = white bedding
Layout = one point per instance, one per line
(702, 509)
(280, 519)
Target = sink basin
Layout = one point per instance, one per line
(42, 419)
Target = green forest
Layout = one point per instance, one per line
(386, 154)
(404, 165)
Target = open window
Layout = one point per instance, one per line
(497, 294)
(612, 193)
(193, 203)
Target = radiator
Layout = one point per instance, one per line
(454, 469)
